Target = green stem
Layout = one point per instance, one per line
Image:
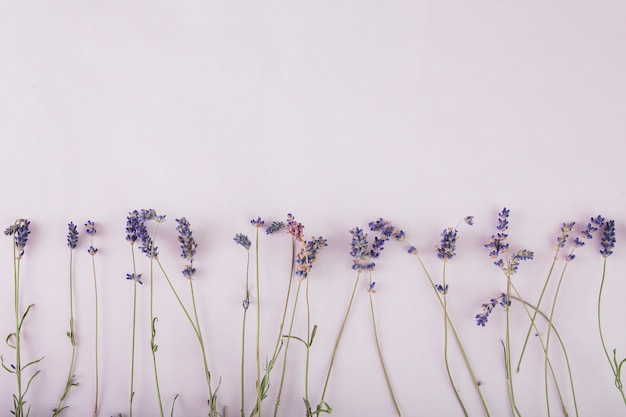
(18, 359)
(243, 335)
(526, 304)
(153, 319)
(196, 328)
(334, 354)
(616, 373)
(445, 341)
(284, 370)
(72, 336)
(456, 336)
(95, 290)
(547, 347)
(258, 326)
(380, 353)
(532, 321)
(507, 350)
(132, 360)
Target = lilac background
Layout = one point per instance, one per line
(339, 112)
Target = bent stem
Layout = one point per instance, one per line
(196, 328)
(278, 344)
(380, 354)
(547, 346)
(534, 316)
(286, 350)
(445, 340)
(526, 305)
(456, 335)
(615, 366)
(321, 404)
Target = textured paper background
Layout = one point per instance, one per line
(422, 112)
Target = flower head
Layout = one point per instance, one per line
(497, 247)
(136, 230)
(294, 228)
(565, 231)
(307, 256)
(359, 250)
(187, 245)
(19, 231)
(92, 251)
(274, 227)
(90, 228)
(132, 224)
(134, 277)
(481, 318)
(257, 223)
(469, 220)
(448, 244)
(72, 236)
(608, 238)
(242, 240)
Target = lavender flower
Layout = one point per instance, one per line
(19, 231)
(565, 231)
(498, 246)
(134, 277)
(242, 240)
(469, 220)
(132, 225)
(294, 228)
(92, 251)
(370, 288)
(482, 318)
(608, 239)
(441, 288)
(90, 228)
(185, 238)
(72, 236)
(274, 227)
(359, 251)
(307, 256)
(136, 230)
(448, 244)
(257, 223)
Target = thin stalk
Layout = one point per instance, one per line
(507, 351)
(243, 334)
(526, 304)
(308, 345)
(456, 336)
(334, 354)
(95, 290)
(196, 328)
(556, 294)
(282, 376)
(72, 336)
(202, 347)
(532, 321)
(132, 360)
(380, 354)
(445, 340)
(258, 327)
(278, 345)
(614, 368)
(153, 321)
